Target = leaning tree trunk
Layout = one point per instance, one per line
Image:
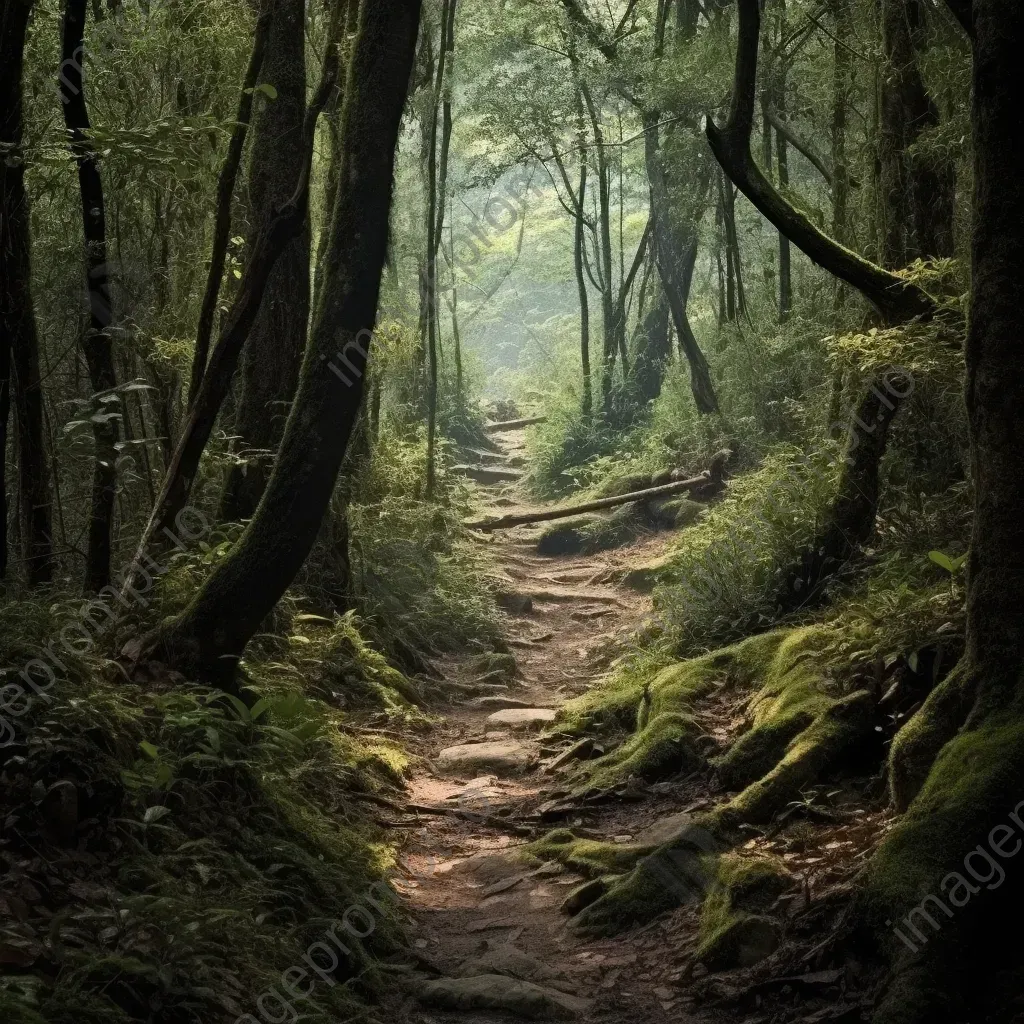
(895, 299)
(918, 196)
(967, 804)
(273, 351)
(96, 344)
(209, 637)
(225, 196)
(286, 223)
(19, 342)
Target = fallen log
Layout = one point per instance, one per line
(710, 478)
(498, 428)
(488, 474)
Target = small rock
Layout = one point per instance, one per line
(577, 752)
(498, 756)
(508, 960)
(522, 718)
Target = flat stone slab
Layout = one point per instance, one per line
(509, 961)
(523, 718)
(496, 756)
(498, 992)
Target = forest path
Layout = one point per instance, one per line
(477, 909)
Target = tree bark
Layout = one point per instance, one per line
(918, 197)
(96, 343)
(973, 785)
(273, 352)
(225, 196)
(19, 341)
(675, 249)
(207, 640)
(895, 300)
(851, 519)
(287, 222)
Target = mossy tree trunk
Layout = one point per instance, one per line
(209, 637)
(19, 341)
(273, 351)
(973, 787)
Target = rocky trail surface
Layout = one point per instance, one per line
(490, 932)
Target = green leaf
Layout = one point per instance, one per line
(268, 90)
(149, 749)
(155, 813)
(240, 707)
(939, 558)
(259, 708)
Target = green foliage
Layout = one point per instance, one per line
(224, 837)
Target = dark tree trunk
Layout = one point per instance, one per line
(579, 246)
(675, 249)
(969, 793)
(653, 348)
(918, 198)
(225, 195)
(19, 342)
(273, 351)
(851, 519)
(287, 222)
(842, 88)
(96, 342)
(209, 637)
(895, 299)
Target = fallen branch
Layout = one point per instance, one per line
(710, 477)
(498, 428)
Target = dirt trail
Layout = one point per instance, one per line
(467, 904)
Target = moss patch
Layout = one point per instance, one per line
(588, 857)
(734, 931)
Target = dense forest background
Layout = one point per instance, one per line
(271, 273)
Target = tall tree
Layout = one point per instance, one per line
(273, 351)
(974, 717)
(19, 343)
(96, 341)
(917, 193)
(209, 637)
(287, 221)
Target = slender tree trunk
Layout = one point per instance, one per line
(286, 223)
(675, 252)
(225, 195)
(604, 255)
(842, 87)
(209, 637)
(19, 342)
(579, 244)
(96, 342)
(918, 198)
(437, 184)
(895, 299)
(273, 352)
(782, 162)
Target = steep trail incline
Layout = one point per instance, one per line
(475, 907)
